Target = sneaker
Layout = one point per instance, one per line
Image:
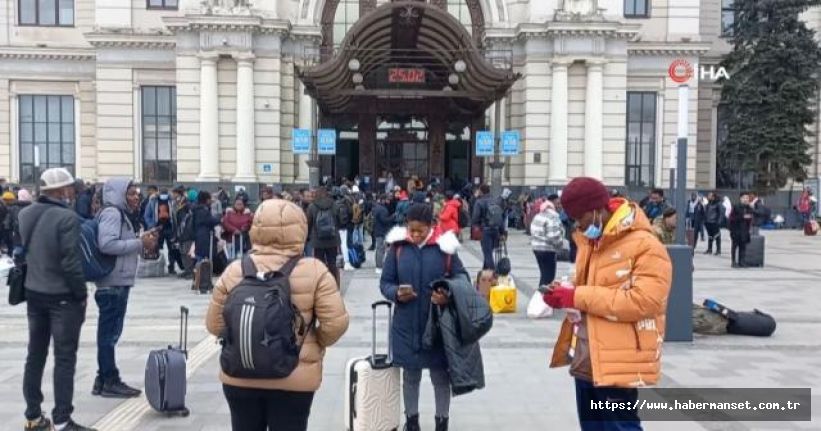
(441, 424)
(718, 253)
(118, 389)
(98, 386)
(348, 267)
(171, 271)
(39, 424)
(708, 252)
(74, 426)
(378, 271)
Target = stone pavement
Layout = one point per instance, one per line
(522, 393)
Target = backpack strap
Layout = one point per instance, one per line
(289, 266)
(249, 269)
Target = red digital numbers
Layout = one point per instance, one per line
(398, 75)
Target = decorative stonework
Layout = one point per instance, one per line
(158, 40)
(666, 49)
(47, 54)
(580, 10)
(222, 40)
(225, 23)
(226, 7)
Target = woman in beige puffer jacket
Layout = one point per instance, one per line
(278, 234)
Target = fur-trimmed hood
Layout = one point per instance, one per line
(446, 241)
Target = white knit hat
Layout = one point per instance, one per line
(55, 178)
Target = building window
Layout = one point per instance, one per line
(163, 4)
(159, 132)
(347, 13)
(641, 138)
(727, 17)
(46, 13)
(459, 9)
(48, 123)
(637, 8)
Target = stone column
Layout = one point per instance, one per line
(593, 120)
(209, 119)
(304, 123)
(246, 150)
(558, 122)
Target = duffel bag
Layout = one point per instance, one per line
(755, 323)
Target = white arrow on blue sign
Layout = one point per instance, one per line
(326, 139)
(484, 143)
(301, 141)
(510, 143)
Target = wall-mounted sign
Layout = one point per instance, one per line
(403, 75)
(301, 141)
(484, 143)
(326, 141)
(510, 143)
(265, 168)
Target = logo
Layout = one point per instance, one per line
(680, 71)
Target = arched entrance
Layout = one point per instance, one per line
(406, 91)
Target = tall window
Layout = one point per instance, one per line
(163, 4)
(48, 123)
(636, 8)
(159, 134)
(641, 138)
(459, 9)
(46, 12)
(347, 13)
(727, 17)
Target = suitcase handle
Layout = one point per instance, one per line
(381, 361)
(184, 324)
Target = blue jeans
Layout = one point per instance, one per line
(490, 240)
(112, 303)
(605, 420)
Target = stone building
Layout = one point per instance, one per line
(187, 90)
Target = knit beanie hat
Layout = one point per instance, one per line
(584, 194)
(192, 195)
(24, 195)
(8, 196)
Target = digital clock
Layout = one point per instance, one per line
(401, 75)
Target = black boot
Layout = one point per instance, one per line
(441, 424)
(98, 386)
(709, 246)
(718, 246)
(412, 423)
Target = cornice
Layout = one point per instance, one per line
(667, 48)
(104, 39)
(226, 23)
(552, 29)
(36, 53)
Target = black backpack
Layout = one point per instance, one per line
(494, 216)
(343, 211)
(186, 227)
(262, 325)
(325, 225)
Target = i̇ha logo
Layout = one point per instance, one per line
(681, 71)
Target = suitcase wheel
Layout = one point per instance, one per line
(183, 413)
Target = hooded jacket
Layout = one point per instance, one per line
(116, 236)
(322, 204)
(546, 229)
(382, 220)
(449, 218)
(622, 283)
(714, 212)
(234, 223)
(406, 263)
(459, 326)
(278, 234)
(204, 223)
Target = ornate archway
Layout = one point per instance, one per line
(477, 19)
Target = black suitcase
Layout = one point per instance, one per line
(755, 252)
(165, 374)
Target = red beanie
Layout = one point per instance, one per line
(584, 194)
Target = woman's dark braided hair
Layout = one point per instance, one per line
(420, 212)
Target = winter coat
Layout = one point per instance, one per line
(322, 204)
(714, 212)
(622, 284)
(382, 220)
(761, 214)
(480, 209)
(740, 221)
(55, 264)
(696, 212)
(204, 223)
(449, 218)
(234, 223)
(14, 214)
(664, 234)
(116, 234)
(406, 263)
(547, 231)
(458, 327)
(654, 210)
(278, 234)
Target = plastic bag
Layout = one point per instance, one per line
(537, 309)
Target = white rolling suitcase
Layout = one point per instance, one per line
(372, 383)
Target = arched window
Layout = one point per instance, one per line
(459, 9)
(347, 13)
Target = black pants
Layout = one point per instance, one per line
(713, 234)
(547, 266)
(61, 320)
(328, 255)
(738, 253)
(273, 410)
(490, 240)
(602, 419)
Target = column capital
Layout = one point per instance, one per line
(595, 63)
(561, 62)
(208, 56)
(244, 58)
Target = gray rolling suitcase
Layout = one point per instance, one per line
(165, 375)
(755, 251)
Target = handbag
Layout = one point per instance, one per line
(17, 276)
(476, 233)
(536, 308)
(503, 296)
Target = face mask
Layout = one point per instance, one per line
(594, 231)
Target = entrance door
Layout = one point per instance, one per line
(402, 148)
(457, 158)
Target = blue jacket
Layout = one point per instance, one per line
(406, 263)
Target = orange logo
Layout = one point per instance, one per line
(680, 71)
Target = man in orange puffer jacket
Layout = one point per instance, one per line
(623, 277)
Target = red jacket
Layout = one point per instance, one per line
(449, 217)
(233, 223)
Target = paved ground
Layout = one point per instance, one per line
(522, 392)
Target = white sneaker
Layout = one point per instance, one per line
(378, 271)
(348, 267)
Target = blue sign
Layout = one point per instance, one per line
(510, 143)
(326, 139)
(484, 143)
(301, 141)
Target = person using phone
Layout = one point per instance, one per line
(419, 254)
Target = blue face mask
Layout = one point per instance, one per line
(594, 231)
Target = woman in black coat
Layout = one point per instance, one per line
(740, 220)
(204, 224)
(419, 254)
